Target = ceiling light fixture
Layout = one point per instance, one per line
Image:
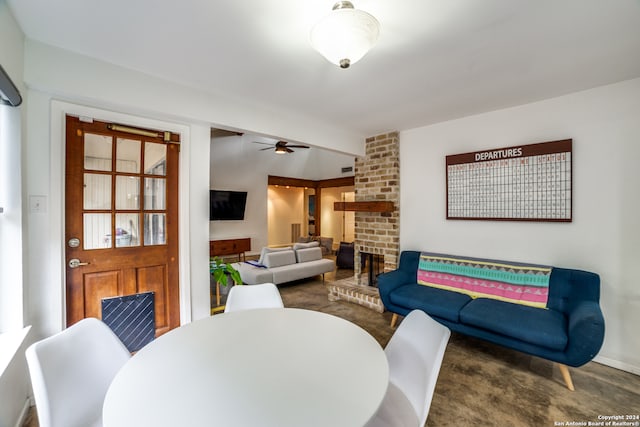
(345, 35)
(281, 150)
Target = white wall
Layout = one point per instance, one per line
(604, 236)
(238, 164)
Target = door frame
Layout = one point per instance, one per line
(58, 112)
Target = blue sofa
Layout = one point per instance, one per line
(570, 331)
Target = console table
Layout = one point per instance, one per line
(230, 247)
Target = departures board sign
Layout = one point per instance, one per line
(522, 183)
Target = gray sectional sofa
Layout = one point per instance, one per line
(280, 265)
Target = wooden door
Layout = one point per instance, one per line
(123, 185)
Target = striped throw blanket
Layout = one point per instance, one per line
(513, 282)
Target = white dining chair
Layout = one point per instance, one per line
(415, 353)
(247, 297)
(71, 372)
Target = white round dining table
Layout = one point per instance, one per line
(263, 367)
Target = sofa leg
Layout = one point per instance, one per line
(566, 375)
(394, 320)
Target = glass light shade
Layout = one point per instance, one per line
(345, 35)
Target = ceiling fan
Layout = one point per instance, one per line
(281, 147)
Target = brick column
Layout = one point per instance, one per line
(377, 177)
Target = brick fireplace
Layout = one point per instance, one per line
(377, 178)
(377, 214)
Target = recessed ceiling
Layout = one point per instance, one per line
(435, 60)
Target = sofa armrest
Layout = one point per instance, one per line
(387, 282)
(393, 279)
(585, 334)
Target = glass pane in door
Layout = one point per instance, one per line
(97, 231)
(97, 152)
(155, 159)
(127, 227)
(128, 155)
(97, 191)
(127, 192)
(154, 229)
(155, 194)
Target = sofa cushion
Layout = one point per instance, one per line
(305, 245)
(546, 328)
(279, 258)
(308, 254)
(435, 302)
(288, 273)
(265, 250)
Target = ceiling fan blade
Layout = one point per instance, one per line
(280, 146)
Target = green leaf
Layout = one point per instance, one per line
(219, 269)
(235, 275)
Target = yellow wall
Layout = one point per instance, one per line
(285, 207)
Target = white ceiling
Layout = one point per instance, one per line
(435, 60)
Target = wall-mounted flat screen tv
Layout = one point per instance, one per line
(226, 205)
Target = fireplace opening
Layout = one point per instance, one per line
(373, 266)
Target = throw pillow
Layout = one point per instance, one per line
(308, 254)
(267, 250)
(279, 258)
(305, 245)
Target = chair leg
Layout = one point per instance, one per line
(566, 375)
(394, 320)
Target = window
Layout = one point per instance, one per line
(11, 283)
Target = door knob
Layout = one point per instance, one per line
(75, 263)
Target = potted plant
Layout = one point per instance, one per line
(220, 271)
